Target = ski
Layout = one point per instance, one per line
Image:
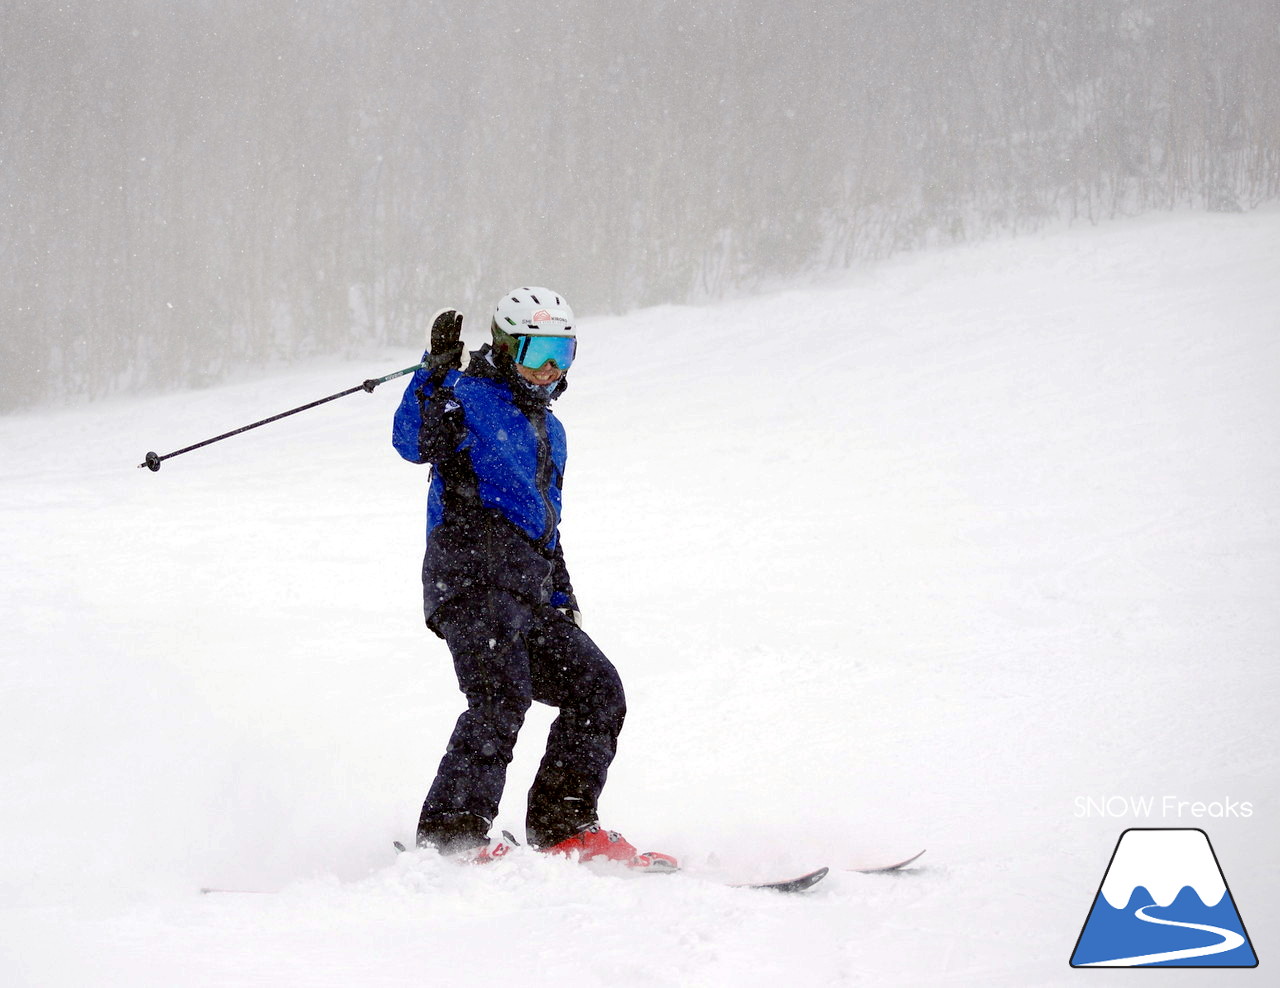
(797, 884)
(881, 869)
(787, 885)
(218, 891)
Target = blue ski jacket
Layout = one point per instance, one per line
(497, 456)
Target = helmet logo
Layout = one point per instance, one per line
(542, 315)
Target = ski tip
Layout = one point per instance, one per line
(798, 884)
(896, 866)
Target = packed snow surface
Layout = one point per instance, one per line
(976, 550)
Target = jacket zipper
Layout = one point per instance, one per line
(542, 478)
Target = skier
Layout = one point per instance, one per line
(496, 589)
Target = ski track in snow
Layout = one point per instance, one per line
(907, 557)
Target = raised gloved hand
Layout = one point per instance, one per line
(444, 340)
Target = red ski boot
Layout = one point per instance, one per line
(595, 843)
(483, 854)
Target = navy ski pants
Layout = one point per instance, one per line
(508, 652)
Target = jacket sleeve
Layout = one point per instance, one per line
(561, 587)
(430, 423)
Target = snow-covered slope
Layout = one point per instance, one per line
(948, 552)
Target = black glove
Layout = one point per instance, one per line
(444, 340)
(443, 425)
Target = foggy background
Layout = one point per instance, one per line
(188, 188)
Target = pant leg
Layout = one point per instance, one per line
(487, 635)
(569, 671)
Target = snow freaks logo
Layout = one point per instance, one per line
(1163, 902)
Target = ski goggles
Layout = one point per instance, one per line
(534, 351)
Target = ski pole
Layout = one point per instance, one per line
(152, 461)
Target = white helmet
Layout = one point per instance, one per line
(533, 312)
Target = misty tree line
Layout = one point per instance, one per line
(188, 188)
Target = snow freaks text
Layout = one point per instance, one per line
(1165, 807)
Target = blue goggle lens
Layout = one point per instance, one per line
(534, 351)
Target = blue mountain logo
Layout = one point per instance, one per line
(1163, 902)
